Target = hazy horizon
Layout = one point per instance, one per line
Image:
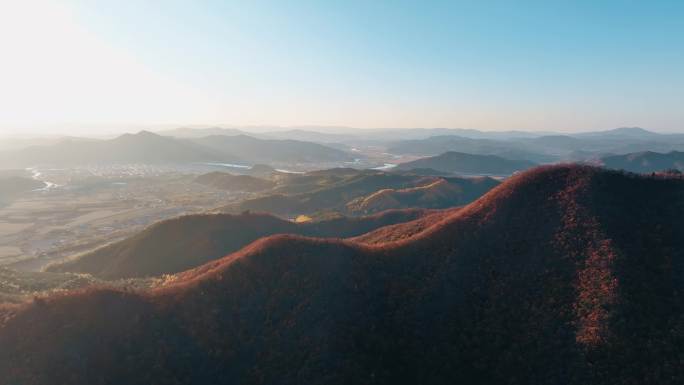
(104, 132)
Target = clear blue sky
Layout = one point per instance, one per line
(537, 65)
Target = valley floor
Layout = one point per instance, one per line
(50, 224)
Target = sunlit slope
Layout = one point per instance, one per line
(189, 241)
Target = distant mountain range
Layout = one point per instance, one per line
(546, 148)
(462, 163)
(625, 132)
(565, 274)
(344, 134)
(332, 147)
(147, 147)
(645, 162)
(144, 147)
(324, 134)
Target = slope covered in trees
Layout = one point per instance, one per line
(186, 242)
(326, 190)
(442, 193)
(562, 274)
(405, 230)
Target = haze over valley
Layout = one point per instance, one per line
(71, 196)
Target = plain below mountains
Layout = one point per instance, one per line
(149, 148)
(462, 163)
(554, 276)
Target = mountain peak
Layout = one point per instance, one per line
(139, 134)
(632, 131)
(146, 133)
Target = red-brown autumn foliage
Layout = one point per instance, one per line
(438, 194)
(185, 242)
(405, 230)
(561, 275)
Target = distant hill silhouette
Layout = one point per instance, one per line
(442, 193)
(554, 276)
(625, 132)
(647, 161)
(458, 162)
(546, 148)
(182, 243)
(225, 181)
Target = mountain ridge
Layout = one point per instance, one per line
(182, 243)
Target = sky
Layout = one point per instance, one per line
(103, 66)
